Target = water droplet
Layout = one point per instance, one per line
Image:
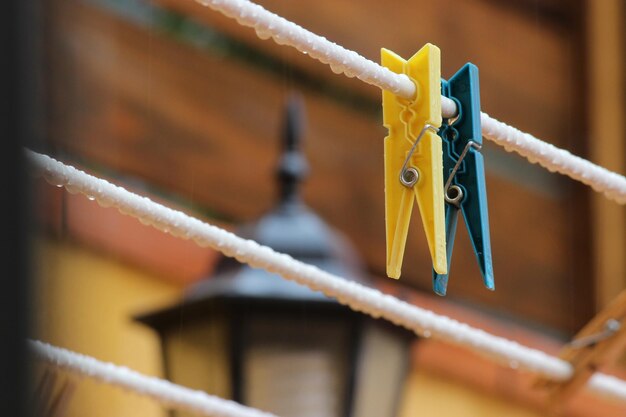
(228, 13)
(337, 69)
(105, 202)
(91, 198)
(263, 34)
(426, 333)
(201, 242)
(53, 179)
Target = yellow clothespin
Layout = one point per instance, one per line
(599, 343)
(414, 158)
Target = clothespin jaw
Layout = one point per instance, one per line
(464, 169)
(413, 158)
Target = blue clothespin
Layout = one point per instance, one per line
(464, 172)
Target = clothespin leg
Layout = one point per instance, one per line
(399, 234)
(430, 199)
(440, 281)
(477, 219)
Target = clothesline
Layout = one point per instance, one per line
(165, 392)
(343, 61)
(358, 297)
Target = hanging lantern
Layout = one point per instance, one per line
(251, 336)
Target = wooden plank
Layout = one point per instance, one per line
(607, 96)
(207, 130)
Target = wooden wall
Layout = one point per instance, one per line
(202, 124)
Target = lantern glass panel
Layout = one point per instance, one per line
(383, 362)
(197, 356)
(297, 367)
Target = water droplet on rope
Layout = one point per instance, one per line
(105, 202)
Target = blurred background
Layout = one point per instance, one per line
(172, 100)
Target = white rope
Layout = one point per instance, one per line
(341, 60)
(607, 385)
(165, 392)
(358, 297)
(555, 159)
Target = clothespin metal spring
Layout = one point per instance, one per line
(457, 196)
(410, 175)
(611, 327)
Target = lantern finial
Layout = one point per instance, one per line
(292, 166)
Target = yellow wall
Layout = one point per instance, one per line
(431, 395)
(84, 301)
